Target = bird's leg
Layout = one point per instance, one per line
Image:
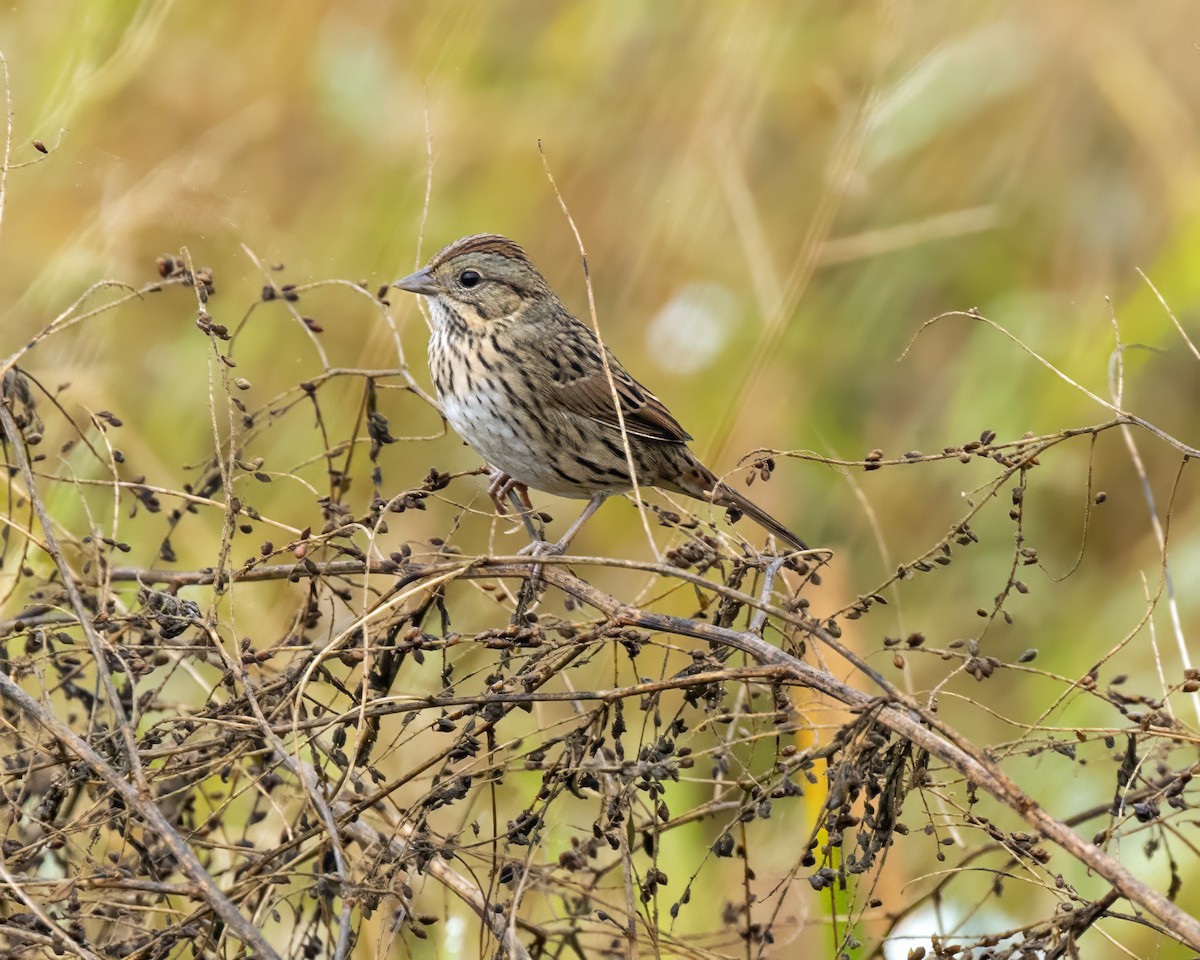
(518, 493)
(592, 506)
(540, 548)
(537, 532)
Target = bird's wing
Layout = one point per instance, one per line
(577, 384)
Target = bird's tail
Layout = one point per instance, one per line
(726, 496)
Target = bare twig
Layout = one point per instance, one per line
(900, 714)
(612, 386)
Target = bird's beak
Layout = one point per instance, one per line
(420, 282)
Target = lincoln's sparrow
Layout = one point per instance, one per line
(523, 382)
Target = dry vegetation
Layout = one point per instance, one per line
(274, 681)
(436, 732)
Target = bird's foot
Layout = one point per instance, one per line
(538, 549)
(543, 548)
(501, 486)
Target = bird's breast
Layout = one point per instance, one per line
(493, 403)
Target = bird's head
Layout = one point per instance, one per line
(482, 280)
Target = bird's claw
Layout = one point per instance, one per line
(542, 548)
(537, 550)
(501, 486)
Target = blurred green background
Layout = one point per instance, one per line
(773, 198)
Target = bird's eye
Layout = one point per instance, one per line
(469, 278)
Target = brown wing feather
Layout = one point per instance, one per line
(570, 358)
(644, 414)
